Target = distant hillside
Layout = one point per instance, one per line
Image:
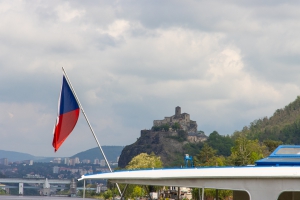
(13, 156)
(111, 153)
(284, 125)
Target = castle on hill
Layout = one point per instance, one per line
(180, 120)
(183, 119)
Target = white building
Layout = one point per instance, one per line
(57, 160)
(96, 161)
(77, 161)
(55, 170)
(102, 163)
(67, 161)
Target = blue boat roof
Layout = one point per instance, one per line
(284, 155)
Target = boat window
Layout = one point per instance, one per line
(288, 151)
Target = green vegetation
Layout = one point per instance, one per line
(207, 157)
(163, 127)
(89, 193)
(271, 144)
(2, 192)
(176, 126)
(283, 126)
(205, 154)
(182, 136)
(253, 142)
(211, 193)
(246, 151)
(141, 161)
(193, 148)
(221, 143)
(166, 127)
(145, 160)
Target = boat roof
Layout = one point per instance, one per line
(283, 155)
(202, 172)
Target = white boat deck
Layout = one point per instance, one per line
(258, 182)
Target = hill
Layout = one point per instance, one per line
(13, 156)
(111, 153)
(283, 125)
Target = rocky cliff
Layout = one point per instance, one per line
(168, 145)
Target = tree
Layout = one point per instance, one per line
(138, 192)
(215, 161)
(163, 127)
(107, 194)
(211, 193)
(272, 144)
(145, 160)
(2, 192)
(246, 151)
(220, 143)
(205, 154)
(142, 161)
(176, 126)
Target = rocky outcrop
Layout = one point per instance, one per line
(167, 139)
(164, 144)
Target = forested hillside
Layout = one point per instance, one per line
(284, 125)
(111, 153)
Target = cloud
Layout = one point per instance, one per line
(226, 63)
(10, 115)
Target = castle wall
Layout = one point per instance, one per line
(193, 126)
(193, 138)
(166, 133)
(193, 122)
(168, 119)
(159, 122)
(187, 118)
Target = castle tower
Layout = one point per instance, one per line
(177, 111)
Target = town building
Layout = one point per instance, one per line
(4, 161)
(66, 161)
(28, 162)
(102, 163)
(76, 160)
(96, 161)
(57, 160)
(55, 170)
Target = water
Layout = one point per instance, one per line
(4, 197)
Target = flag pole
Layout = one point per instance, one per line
(87, 120)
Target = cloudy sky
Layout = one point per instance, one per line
(225, 62)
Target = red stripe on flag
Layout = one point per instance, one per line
(65, 125)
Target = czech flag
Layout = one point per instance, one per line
(68, 113)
